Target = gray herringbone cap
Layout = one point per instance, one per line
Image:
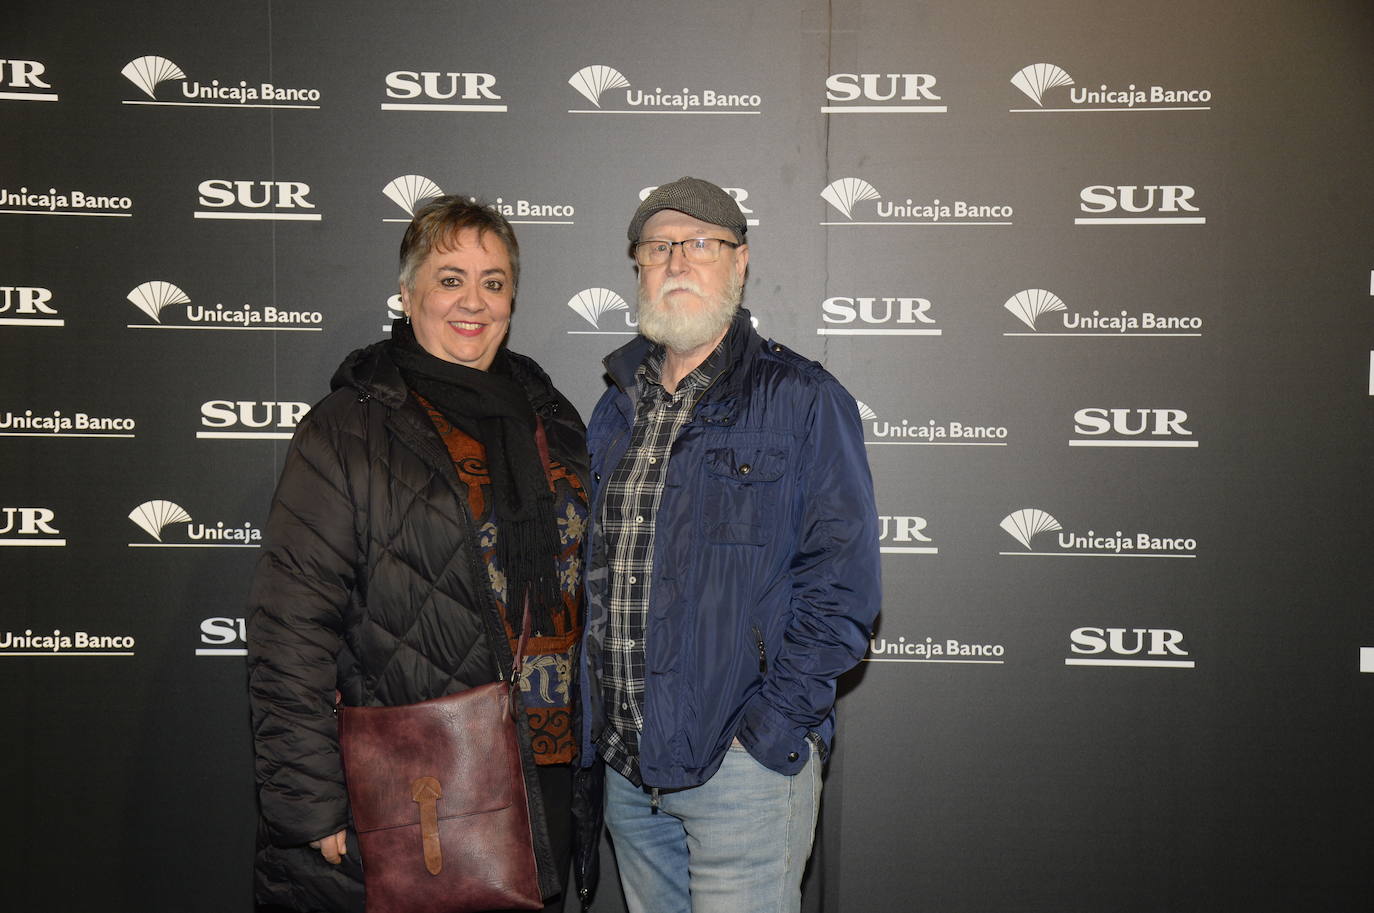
(699, 199)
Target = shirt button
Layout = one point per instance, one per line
(634, 579)
(625, 706)
(639, 519)
(653, 460)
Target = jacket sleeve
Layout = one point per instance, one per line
(836, 586)
(300, 591)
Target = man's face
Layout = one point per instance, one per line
(461, 301)
(682, 304)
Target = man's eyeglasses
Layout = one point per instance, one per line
(696, 250)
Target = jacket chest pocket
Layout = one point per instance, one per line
(742, 492)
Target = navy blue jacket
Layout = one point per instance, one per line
(765, 570)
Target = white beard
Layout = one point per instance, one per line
(681, 330)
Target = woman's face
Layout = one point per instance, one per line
(461, 301)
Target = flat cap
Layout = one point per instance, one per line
(699, 199)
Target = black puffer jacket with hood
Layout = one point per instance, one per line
(370, 582)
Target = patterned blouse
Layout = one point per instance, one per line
(546, 679)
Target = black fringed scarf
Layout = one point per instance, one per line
(491, 407)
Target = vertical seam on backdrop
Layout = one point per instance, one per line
(825, 157)
(272, 171)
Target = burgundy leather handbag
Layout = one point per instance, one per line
(439, 801)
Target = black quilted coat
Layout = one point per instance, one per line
(369, 583)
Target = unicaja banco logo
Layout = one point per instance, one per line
(1028, 305)
(1023, 525)
(591, 304)
(1038, 78)
(1038, 81)
(847, 193)
(149, 72)
(157, 517)
(930, 433)
(153, 298)
(411, 191)
(593, 82)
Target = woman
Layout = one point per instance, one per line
(413, 511)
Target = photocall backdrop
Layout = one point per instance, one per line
(1099, 274)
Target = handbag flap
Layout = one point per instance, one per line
(466, 742)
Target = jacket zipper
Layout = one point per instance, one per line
(763, 651)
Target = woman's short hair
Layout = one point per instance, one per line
(438, 222)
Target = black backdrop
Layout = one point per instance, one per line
(1213, 753)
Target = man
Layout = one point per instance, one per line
(732, 577)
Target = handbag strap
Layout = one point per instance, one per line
(519, 661)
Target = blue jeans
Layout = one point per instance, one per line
(736, 844)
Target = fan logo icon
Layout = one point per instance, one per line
(1026, 524)
(433, 91)
(846, 193)
(591, 304)
(1039, 79)
(1029, 305)
(593, 82)
(153, 298)
(30, 527)
(895, 316)
(881, 93)
(160, 519)
(27, 306)
(930, 433)
(149, 72)
(23, 80)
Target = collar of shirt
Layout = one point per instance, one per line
(650, 371)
